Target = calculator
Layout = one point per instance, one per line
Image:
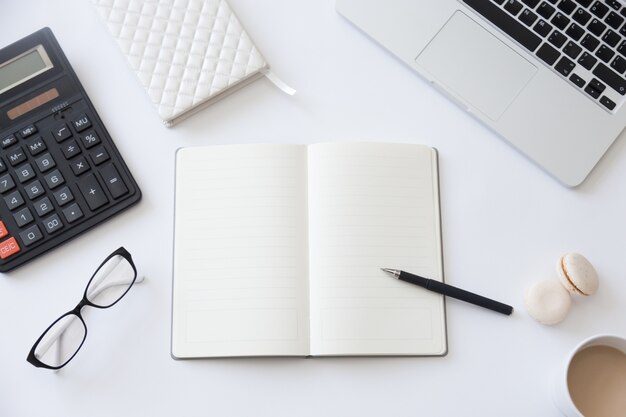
(60, 172)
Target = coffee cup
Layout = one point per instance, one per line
(592, 379)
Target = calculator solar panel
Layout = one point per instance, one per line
(60, 172)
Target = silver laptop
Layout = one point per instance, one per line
(547, 75)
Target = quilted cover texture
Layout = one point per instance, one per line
(185, 52)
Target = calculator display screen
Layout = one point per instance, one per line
(23, 67)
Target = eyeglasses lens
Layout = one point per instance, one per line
(59, 344)
(111, 282)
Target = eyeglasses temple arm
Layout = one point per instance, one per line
(106, 270)
(94, 293)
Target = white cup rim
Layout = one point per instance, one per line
(603, 339)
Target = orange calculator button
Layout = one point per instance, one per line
(9, 247)
(3, 230)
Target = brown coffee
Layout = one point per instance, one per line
(597, 381)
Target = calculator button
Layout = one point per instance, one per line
(8, 141)
(43, 206)
(113, 181)
(93, 193)
(9, 247)
(90, 139)
(80, 165)
(45, 162)
(28, 131)
(23, 217)
(6, 183)
(36, 146)
(54, 179)
(99, 155)
(17, 156)
(63, 196)
(3, 230)
(34, 189)
(3, 166)
(81, 123)
(25, 173)
(14, 200)
(72, 213)
(61, 132)
(31, 235)
(70, 149)
(52, 223)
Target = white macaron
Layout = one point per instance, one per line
(577, 274)
(548, 302)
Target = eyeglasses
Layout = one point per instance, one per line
(64, 337)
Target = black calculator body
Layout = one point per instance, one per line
(60, 173)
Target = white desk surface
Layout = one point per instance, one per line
(505, 223)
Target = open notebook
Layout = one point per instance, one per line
(277, 251)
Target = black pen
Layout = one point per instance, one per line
(450, 291)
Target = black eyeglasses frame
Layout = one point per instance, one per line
(32, 359)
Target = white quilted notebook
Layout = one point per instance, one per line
(186, 53)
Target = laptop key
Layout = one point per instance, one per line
(557, 39)
(599, 9)
(513, 7)
(506, 23)
(579, 82)
(545, 10)
(572, 50)
(560, 21)
(622, 48)
(565, 66)
(619, 64)
(613, 3)
(590, 43)
(584, 3)
(614, 20)
(606, 74)
(607, 102)
(611, 38)
(605, 53)
(548, 54)
(597, 85)
(575, 32)
(543, 28)
(567, 6)
(581, 16)
(595, 88)
(587, 61)
(596, 27)
(527, 17)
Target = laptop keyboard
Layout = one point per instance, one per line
(584, 41)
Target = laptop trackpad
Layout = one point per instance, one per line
(475, 65)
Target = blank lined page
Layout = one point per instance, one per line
(240, 252)
(371, 206)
